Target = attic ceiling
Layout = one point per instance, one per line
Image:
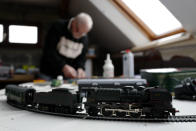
(112, 30)
(184, 11)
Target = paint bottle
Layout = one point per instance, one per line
(108, 68)
(128, 64)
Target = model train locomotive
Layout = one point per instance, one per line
(103, 97)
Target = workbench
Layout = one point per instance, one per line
(14, 119)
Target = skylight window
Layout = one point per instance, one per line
(152, 16)
(23, 34)
(1, 33)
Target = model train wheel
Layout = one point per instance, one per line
(157, 114)
(166, 114)
(43, 107)
(105, 112)
(148, 115)
(121, 114)
(74, 110)
(92, 111)
(66, 110)
(135, 115)
(51, 108)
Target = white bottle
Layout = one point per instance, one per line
(128, 64)
(60, 78)
(108, 68)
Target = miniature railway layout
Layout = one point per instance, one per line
(182, 118)
(102, 99)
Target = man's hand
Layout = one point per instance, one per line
(69, 71)
(81, 73)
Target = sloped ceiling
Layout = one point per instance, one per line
(184, 11)
(111, 30)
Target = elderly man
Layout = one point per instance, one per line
(66, 46)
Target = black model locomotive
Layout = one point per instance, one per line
(104, 97)
(125, 98)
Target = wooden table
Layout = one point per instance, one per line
(16, 79)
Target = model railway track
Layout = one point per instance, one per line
(184, 118)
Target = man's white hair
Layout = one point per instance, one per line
(85, 19)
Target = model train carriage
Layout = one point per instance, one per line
(86, 84)
(58, 100)
(19, 95)
(158, 103)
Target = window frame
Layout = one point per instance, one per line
(7, 44)
(3, 32)
(149, 33)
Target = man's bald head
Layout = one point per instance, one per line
(81, 25)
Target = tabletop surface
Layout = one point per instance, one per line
(13, 119)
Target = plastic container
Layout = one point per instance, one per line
(128, 64)
(60, 78)
(108, 68)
